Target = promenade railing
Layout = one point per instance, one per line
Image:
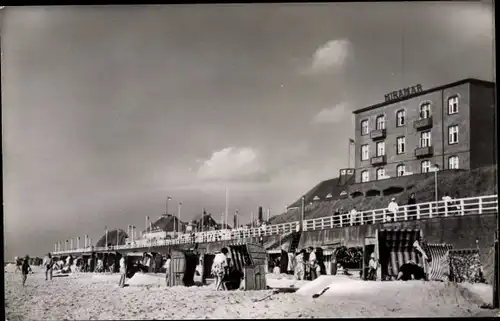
(456, 207)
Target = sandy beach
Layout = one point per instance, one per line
(98, 297)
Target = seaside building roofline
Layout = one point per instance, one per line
(424, 92)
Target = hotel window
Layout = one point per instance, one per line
(364, 127)
(365, 152)
(425, 139)
(400, 170)
(380, 173)
(453, 134)
(365, 176)
(452, 105)
(380, 124)
(425, 166)
(380, 149)
(400, 118)
(425, 110)
(453, 162)
(400, 145)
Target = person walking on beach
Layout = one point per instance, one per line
(300, 265)
(291, 263)
(123, 271)
(219, 268)
(312, 264)
(25, 269)
(167, 267)
(284, 259)
(320, 261)
(19, 263)
(48, 263)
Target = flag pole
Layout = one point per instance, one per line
(179, 217)
(227, 204)
(202, 218)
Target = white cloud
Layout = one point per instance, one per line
(331, 55)
(331, 115)
(231, 164)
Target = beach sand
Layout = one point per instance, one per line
(97, 296)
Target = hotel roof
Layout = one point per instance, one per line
(424, 92)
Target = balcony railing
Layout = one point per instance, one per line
(457, 207)
(378, 134)
(378, 160)
(423, 123)
(424, 151)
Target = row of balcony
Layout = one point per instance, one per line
(420, 124)
(419, 152)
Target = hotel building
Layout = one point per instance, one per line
(450, 126)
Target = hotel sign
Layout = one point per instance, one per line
(402, 93)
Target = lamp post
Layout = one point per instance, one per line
(106, 229)
(302, 213)
(179, 205)
(436, 170)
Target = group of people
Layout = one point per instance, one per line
(393, 212)
(303, 264)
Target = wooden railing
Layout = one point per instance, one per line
(464, 206)
(457, 207)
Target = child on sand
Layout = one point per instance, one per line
(25, 269)
(373, 265)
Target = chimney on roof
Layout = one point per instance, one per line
(261, 217)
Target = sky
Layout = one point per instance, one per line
(107, 110)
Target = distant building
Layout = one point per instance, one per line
(451, 126)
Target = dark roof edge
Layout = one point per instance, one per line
(453, 84)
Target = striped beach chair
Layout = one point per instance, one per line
(438, 269)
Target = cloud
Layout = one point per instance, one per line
(331, 115)
(331, 55)
(232, 164)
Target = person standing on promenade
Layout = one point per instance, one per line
(393, 210)
(48, 263)
(412, 201)
(447, 202)
(25, 269)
